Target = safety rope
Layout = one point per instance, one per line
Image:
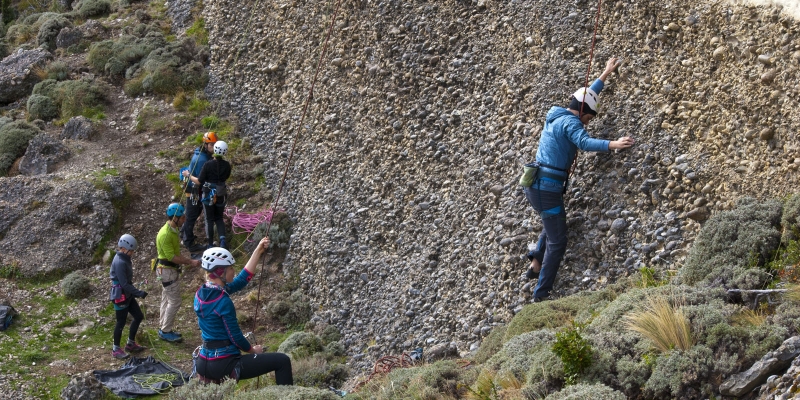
(151, 381)
(586, 80)
(275, 203)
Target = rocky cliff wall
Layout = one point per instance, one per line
(410, 225)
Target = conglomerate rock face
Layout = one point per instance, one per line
(410, 224)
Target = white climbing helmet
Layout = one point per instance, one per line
(220, 148)
(216, 257)
(587, 96)
(127, 242)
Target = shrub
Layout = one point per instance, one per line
(331, 334)
(528, 355)
(574, 351)
(301, 344)
(490, 385)
(41, 107)
(194, 390)
(93, 8)
(295, 309)
(3, 47)
(678, 371)
(198, 31)
(19, 33)
(286, 393)
(49, 29)
(490, 345)
(587, 391)
(790, 220)
(75, 286)
(58, 70)
(662, 323)
(77, 96)
(557, 313)
(721, 254)
(46, 87)
(334, 349)
(14, 138)
(315, 371)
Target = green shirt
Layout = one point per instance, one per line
(168, 244)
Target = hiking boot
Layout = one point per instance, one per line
(531, 275)
(540, 299)
(222, 243)
(169, 336)
(134, 347)
(119, 353)
(195, 248)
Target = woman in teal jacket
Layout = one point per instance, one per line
(221, 357)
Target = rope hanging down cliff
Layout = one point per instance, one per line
(310, 96)
(588, 70)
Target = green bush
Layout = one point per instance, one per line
(315, 371)
(19, 33)
(528, 356)
(733, 244)
(292, 309)
(574, 351)
(41, 107)
(79, 96)
(331, 334)
(490, 345)
(286, 393)
(587, 391)
(558, 313)
(301, 344)
(14, 138)
(443, 379)
(93, 8)
(46, 87)
(75, 286)
(58, 70)
(790, 220)
(194, 390)
(49, 29)
(3, 47)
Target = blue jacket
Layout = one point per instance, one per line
(216, 316)
(196, 165)
(563, 134)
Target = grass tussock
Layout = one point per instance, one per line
(664, 324)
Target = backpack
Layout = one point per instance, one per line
(7, 313)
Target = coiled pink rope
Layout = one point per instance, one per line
(247, 223)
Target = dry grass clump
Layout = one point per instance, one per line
(664, 324)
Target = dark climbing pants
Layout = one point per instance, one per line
(192, 214)
(248, 366)
(122, 318)
(552, 242)
(214, 215)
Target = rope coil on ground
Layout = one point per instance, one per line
(150, 381)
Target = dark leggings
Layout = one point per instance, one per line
(122, 318)
(249, 366)
(214, 215)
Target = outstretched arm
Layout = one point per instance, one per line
(252, 263)
(611, 66)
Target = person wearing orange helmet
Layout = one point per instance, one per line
(192, 191)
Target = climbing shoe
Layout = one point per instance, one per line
(169, 336)
(540, 299)
(222, 243)
(119, 353)
(134, 347)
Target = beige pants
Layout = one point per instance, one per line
(170, 298)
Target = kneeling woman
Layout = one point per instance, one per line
(220, 356)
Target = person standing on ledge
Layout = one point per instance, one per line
(563, 134)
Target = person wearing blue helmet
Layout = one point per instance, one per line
(123, 295)
(168, 269)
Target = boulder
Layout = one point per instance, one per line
(50, 224)
(92, 29)
(68, 36)
(742, 383)
(16, 77)
(43, 153)
(83, 387)
(77, 128)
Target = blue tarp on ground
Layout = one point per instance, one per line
(123, 382)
